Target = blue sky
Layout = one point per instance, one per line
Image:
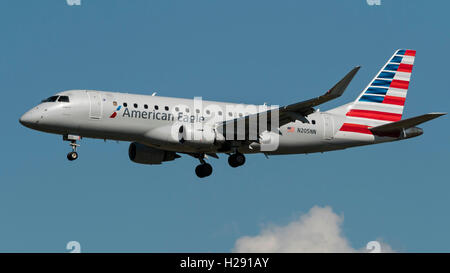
(251, 51)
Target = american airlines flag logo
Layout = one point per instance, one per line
(290, 129)
(384, 99)
(113, 115)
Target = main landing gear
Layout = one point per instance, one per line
(235, 160)
(204, 169)
(73, 143)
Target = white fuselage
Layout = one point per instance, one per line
(150, 120)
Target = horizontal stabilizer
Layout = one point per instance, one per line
(401, 125)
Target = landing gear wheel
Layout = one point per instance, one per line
(72, 156)
(73, 143)
(203, 170)
(236, 160)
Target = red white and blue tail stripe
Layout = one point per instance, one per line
(383, 100)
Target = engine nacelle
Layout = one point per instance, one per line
(143, 154)
(203, 136)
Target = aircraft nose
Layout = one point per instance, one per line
(28, 118)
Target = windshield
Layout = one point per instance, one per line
(63, 99)
(51, 99)
(57, 98)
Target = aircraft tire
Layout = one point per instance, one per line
(236, 160)
(72, 156)
(203, 170)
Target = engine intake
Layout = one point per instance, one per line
(140, 153)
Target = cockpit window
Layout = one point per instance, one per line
(51, 99)
(63, 99)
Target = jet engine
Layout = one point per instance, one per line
(143, 154)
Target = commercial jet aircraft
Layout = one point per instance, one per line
(162, 128)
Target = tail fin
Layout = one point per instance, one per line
(383, 100)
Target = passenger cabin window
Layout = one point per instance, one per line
(177, 109)
(125, 104)
(63, 99)
(187, 110)
(145, 106)
(167, 108)
(50, 99)
(135, 105)
(313, 122)
(220, 113)
(156, 107)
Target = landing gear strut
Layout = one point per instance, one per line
(204, 169)
(235, 160)
(73, 143)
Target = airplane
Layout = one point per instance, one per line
(161, 128)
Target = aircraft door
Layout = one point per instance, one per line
(328, 130)
(96, 107)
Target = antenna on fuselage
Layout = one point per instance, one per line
(154, 94)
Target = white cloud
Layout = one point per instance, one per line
(317, 231)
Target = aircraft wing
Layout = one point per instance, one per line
(299, 110)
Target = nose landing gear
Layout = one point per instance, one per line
(73, 143)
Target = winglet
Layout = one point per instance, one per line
(338, 89)
(306, 107)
